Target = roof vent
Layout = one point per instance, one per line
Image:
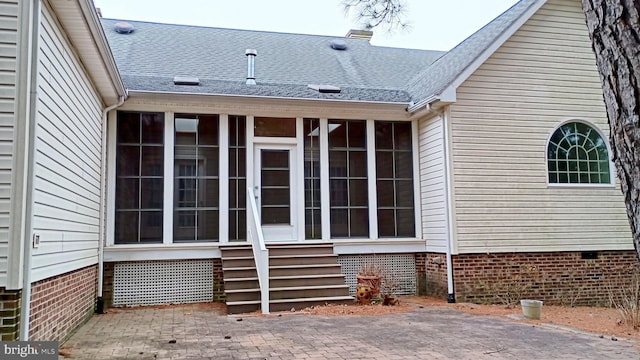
(338, 44)
(325, 89)
(360, 34)
(123, 27)
(186, 80)
(251, 66)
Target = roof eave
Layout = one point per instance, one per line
(497, 43)
(80, 18)
(448, 94)
(150, 92)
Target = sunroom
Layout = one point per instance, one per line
(183, 178)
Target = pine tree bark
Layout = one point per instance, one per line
(614, 27)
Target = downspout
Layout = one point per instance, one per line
(451, 297)
(25, 298)
(103, 202)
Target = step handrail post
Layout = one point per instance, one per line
(260, 251)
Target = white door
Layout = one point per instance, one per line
(274, 187)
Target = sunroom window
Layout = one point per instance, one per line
(237, 178)
(349, 202)
(577, 154)
(394, 179)
(196, 186)
(312, 201)
(139, 178)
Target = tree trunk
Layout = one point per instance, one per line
(614, 27)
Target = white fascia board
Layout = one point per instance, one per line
(82, 24)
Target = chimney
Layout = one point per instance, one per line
(251, 66)
(359, 34)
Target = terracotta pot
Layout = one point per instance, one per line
(373, 281)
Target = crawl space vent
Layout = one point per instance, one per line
(401, 267)
(162, 282)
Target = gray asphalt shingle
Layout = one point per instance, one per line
(154, 53)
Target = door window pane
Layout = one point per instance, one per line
(275, 187)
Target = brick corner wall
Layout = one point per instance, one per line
(431, 272)
(10, 314)
(107, 284)
(60, 304)
(218, 281)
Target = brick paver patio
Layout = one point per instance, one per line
(202, 332)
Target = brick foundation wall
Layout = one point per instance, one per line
(62, 303)
(218, 281)
(557, 278)
(431, 269)
(10, 314)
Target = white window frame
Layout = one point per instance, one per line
(612, 175)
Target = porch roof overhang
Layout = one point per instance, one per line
(217, 87)
(82, 25)
(265, 105)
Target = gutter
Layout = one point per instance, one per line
(423, 104)
(103, 202)
(148, 92)
(33, 10)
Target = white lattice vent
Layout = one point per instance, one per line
(162, 282)
(400, 267)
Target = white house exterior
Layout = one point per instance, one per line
(451, 169)
(57, 80)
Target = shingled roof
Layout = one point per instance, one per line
(150, 57)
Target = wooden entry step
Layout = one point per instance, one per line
(300, 275)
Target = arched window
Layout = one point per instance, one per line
(577, 154)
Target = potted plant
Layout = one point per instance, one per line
(371, 275)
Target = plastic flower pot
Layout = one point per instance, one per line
(531, 309)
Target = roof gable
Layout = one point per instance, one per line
(439, 80)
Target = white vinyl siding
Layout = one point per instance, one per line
(543, 75)
(432, 184)
(67, 159)
(8, 54)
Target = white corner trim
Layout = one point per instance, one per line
(17, 209)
